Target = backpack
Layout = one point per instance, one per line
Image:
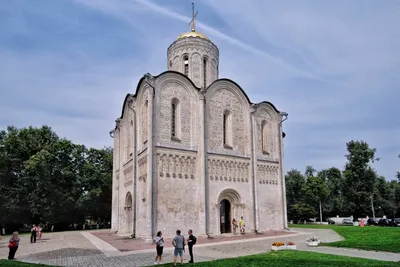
(194, 240)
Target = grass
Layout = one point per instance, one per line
(293, 258)
(367, 238)
(280, 258)
(7, 263)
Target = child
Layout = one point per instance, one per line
(13, 245)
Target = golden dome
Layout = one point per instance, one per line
(192, 34)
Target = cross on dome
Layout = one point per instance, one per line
(193, 21)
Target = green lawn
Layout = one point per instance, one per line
(280, 258)
(7, 263)
(368, 237)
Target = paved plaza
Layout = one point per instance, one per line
(101, 248)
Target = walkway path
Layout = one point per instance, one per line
(86, 249)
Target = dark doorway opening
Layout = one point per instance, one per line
(225, 216)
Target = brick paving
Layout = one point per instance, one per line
(129, 244)
(74, 249)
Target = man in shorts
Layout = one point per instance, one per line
(179, 243)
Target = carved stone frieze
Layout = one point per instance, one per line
(228, 170)
(176, 165)
(267, 174)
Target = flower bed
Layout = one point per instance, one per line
(278, 246)
(291, 246)
(313, 241)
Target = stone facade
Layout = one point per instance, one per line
(192, 152)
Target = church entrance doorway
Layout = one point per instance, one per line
(225, 216)
(229, 207)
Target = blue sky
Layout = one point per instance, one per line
(332, 65)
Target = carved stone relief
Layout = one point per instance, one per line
(214, 71)
(176, 166)
(176, 64)
(196, 64)
(267, 174)
(169, 91)
(142, 168)
(221, 101)
(228, 170)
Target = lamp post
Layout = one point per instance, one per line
(372, 207)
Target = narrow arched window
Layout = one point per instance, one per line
(145, 121)
(186, 65)
(175, 119)
(227, 129)
(205, 72)
(129, 139)
(264, 137)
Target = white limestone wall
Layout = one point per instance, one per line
(225, 96)
(196, 49)
(268, 178)
(232, 174)
(180, 197)
(175, 88)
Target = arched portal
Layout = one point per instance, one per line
(225, 216)
(128, 212)
(228, 200)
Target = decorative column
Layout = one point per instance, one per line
(254, 169)
(115, 181)
(284, 208)
(203, 168)
(217, 230)
(150, 201)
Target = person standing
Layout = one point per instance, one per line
(33, 233)
(39, 229)
(179, 243)
(235, 226)
(241, 225)
(13, 244)
(191, 242)
(159, 240)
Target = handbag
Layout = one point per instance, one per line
(12, 244)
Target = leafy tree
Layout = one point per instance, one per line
(302, 211)
(310, 171)
(316, 192)
(333, 178)
(359, 178)
(48, 179)
(295, 182)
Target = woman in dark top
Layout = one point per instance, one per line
(13, 245)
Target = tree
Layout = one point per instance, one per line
(334, 181)
(295, 182)
(359, 178)
(316, 192)
(48, 179)
(310, 171)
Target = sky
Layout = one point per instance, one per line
(332, 65)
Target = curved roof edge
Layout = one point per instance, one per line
(155, 77)
(194, 86)
(244, 93)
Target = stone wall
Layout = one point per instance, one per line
(179, 187)
(232, 174)
(196, 49)
(227, 99)
(174, 91)
(269, 196)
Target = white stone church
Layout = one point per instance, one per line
(191, 151)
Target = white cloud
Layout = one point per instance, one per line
(332, 65)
